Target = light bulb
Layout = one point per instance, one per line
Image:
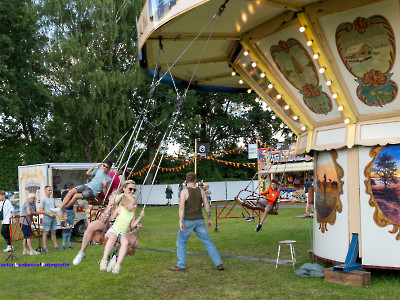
(340, 108)
(279, 96)
(233, 73)
(322, 70)
(287, 106)
(316, 55)
(249, 91)
(302, 28)
(273, 117)
(262, 75)
(241, 81)
(254, 65)
(303, 127)
(246, 53)
(334, 96)
(329, 82)
(295, 118)
(347, 121)
(309, 43)
(270, 86)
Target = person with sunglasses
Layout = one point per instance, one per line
(128, 187)
(100, 183)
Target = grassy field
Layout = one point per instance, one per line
(146, 275)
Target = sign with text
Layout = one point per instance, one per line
(267, 158)
(252, 148)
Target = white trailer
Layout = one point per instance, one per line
(33, 179)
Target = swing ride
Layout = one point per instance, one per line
(327, 69)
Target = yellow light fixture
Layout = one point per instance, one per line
(249, 91)
(309, 43)
(316, 55)
(245, 53)
(334, 96)
(262, 75)
(295, 118)
(287, 106)
(241, 81)
(322, 70)
(302, 28)
(304, 127)
(254, 65)
(347, 121)
(270, 86)
(273, 117)
(340, 108)
(279, 96)
(233, 73)
(329, 82)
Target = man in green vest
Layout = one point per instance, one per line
(191, 219)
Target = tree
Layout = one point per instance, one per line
(385, 168)
(24, 100)
(93, 74)
(224, 120)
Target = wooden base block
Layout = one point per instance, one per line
(354, 278)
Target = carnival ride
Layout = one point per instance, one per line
(328, 70)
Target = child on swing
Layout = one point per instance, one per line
(124, 218)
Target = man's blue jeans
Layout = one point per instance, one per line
(199, 227)
(71, 216)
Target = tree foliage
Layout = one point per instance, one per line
(93, 73)
(385, 168)
(23, 97)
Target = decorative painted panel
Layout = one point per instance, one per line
(368, 50)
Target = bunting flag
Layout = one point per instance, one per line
(212, 157)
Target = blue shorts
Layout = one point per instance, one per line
(86, 192)
(49, 223)
(26, 230)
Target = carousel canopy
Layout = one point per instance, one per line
(326, 68)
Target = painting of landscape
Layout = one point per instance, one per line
(326, 188)
(385, 182)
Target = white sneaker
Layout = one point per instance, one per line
(34, 252)
(116, 269)
(77, 260)
(25, 252)
(103, 265)
(8, 249)
(112, 263)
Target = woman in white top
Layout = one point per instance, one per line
(8, 212)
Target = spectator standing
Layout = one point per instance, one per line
(8, 212)
(168, 194)
(191, 219)
(66, 231)
(28, 210)
(49, 218)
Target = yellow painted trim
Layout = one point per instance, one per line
(324, 62)
(260, 94)
(309, 140)
(277, 86)
(351, 135)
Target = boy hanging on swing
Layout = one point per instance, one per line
(271, 196)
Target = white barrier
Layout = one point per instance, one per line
(222, 190)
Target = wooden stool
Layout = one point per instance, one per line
(290, 243)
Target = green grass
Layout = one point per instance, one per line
(146, 275)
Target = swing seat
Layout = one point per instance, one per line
(97, 200)
(250, 205)
(131, 250)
